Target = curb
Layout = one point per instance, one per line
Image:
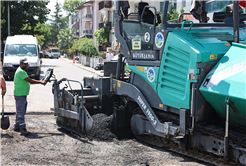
(83, 67)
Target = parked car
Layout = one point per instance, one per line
(99, 66)
(77, 58)
(41, 54)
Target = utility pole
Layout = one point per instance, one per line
(8, 20)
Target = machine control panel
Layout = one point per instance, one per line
(48, 74)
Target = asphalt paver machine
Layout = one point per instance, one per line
(187, 80)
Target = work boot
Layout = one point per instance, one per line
(24, 131)
(17, 129)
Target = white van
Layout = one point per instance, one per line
(53, 52)
(17, 47)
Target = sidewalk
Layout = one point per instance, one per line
(97, 72)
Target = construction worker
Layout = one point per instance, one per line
(21, 90)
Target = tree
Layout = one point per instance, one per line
(24, 17)
(44, 29)
(173, 14)
(88, 48)
(70, 5)
(76, 44)
(102, 35)
(64, 22)
(170, 12)
(40, 39)
(56, 23)
(181, 12)
(65, 40)
(2, 19)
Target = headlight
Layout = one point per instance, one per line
(33, 64)
(7, 65)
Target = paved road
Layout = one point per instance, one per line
(41, 97)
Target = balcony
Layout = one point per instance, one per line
(105, 4)
(76, 34)
(87, 17)
(104, 25)
(75, 26)
(87, 31)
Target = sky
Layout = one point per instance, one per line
(51, 6)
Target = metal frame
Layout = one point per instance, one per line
(209, 25)
(80, 114)
(126, 89)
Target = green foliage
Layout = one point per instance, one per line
(170, 12)
(173, 14)
(75, 46)
(101, 18)
(44, 29)
(56, 23)
(40, 39)
(65, 40)
(70, 5)
(102, 54)
(2, 19)
(102, 35)
(64, 22)
(88, 48)
(23, 14)
(181, 12)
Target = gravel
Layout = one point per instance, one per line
(102, 128)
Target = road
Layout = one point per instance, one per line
(49, 145)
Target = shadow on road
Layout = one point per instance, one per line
(75, 136)
(6, 136)
(42, 135)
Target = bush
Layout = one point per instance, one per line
(88, 48)
(75, 47)
(102, 35)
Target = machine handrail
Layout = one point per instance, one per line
(143, 14)
(68, 80)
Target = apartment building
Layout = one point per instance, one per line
(85, 19)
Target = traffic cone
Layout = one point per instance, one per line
(74, 59)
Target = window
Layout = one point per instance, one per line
(111, 19)
(183, 3)
(21, 50)
(173, 3)
(216, 6)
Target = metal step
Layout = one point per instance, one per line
(87, 91)
(91, 98)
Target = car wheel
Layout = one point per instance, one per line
(37, 76)
(5, 77)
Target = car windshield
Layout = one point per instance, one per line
(208, 13)
(21, 50)
(54, 50)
